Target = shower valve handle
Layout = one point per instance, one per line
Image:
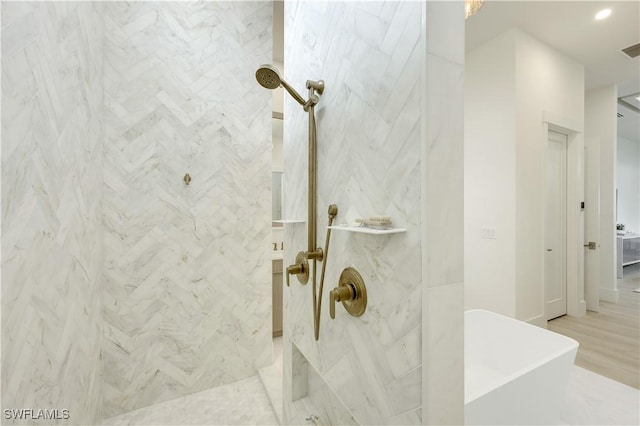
(293, 270)
(300, 269)
(338, 294)
(351, 291)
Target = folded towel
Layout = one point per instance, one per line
(375, 221)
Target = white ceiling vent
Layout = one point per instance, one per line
(632, 51)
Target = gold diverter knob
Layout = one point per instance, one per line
(300, 269)
(351, 291)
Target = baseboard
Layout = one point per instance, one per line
(539, 321)
(582, 307)
(609, 295)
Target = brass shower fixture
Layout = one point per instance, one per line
(317, 300)
(300, 268)
(351, 291)
(268, 76)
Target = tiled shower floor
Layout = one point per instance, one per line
(247, 402)
(240, 403)
(591, 400)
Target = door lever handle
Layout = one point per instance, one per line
(591, 245)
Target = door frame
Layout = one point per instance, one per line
(592, 287)
(576, 303)
(558, 306)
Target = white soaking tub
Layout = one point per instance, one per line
(515, 373)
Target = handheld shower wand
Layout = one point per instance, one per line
(269, 78)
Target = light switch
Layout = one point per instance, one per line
(488, 233)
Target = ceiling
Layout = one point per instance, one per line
(570, 27)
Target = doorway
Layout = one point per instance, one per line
(555, 260)
(592, 223)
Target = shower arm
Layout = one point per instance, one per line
(295, 95)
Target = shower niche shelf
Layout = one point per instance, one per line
(286, 221)
(365, 230)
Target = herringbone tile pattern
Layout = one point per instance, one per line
(52, 138)
(369, 164)
(187, 281)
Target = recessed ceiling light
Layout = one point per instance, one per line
(604, 13)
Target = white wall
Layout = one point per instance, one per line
(490, 175)
(510, 81)
(546, 81)
(52, 173)
(277, 95)
(277, 102)
(277, 160)
(628, 181)
(601, 122)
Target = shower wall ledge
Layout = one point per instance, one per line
(365, 230)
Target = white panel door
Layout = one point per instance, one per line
(555, 226)
(592, 222)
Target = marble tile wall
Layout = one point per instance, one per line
(443, 215)
(52, 143)
(369, 163)
(390, 143)
(331, 411)
(187, 296)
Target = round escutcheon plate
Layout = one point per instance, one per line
(351, 277)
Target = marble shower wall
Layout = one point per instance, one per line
(187, 302)
(443, 214)
(52, 143)
(369, 163)
(390, 143)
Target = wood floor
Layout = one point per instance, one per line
(609, 339)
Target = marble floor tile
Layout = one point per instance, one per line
(241, 403)
(593, 399)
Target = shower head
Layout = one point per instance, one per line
(269, 78)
